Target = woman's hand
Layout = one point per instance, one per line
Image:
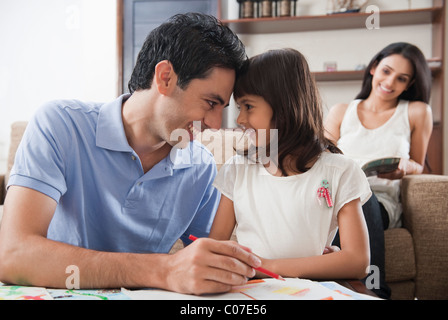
(405, 167)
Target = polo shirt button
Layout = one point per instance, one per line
(133, 157)
(140, 183)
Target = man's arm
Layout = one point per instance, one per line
(27, 257)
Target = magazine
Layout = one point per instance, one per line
(383, 165)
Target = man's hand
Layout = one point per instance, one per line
(210, 266)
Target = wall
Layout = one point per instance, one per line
(348, 48)
(54, 49)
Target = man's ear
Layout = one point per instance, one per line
(165, 78)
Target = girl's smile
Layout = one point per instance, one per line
(255, 118)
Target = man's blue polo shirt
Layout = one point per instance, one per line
(77, 153)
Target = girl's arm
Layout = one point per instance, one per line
(224, 222)
(350, 262)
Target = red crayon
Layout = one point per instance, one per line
(262, 270)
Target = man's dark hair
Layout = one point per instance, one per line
(194, 43)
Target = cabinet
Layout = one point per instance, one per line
(434, 16)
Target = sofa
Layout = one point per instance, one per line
(416, 257)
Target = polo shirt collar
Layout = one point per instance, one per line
(181, 158)
(109, 128)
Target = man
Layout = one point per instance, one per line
(109, 188)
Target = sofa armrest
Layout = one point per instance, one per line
(425, 215)
(2, 189)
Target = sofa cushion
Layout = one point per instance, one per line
(400, 257)
(403, 290)
(178, 245)
(425, 206)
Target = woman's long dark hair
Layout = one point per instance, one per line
(420, 89)
(282, 77)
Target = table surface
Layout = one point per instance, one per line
(357, 286)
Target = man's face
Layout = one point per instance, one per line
(200, 104)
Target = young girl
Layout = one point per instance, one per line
(288, 205)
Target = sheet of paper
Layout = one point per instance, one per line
(291, 289)
(92, 294)
(23, 293)
(343, 290)
(156, 294)
(267, 289)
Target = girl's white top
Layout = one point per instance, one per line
(283, 217)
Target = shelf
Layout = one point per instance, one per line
(332, 22)
(354, 75)
(338, 75)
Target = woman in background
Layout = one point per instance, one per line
(390, 117)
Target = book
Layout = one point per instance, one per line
(257, 289)
(383, 165)
(262, 289)
(23, 293)
(38, 293)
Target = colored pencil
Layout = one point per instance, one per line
(270, 273)
(260, 269)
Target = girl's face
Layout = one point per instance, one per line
(255, 118)
(391, 77)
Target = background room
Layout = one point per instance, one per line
(74, 49)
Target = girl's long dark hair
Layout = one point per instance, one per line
(420, 89)
(282, 77)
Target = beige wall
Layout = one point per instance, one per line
(53, 49)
